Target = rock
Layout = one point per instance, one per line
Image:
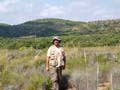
(10, 87)
(104, 86)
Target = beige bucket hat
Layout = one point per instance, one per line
(56, 38)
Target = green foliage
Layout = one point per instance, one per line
(110, 39)
(4, 77)
(27, 74)
(102, 59)
(76, 62)
(38, 63)
(80, 34)
(51, 27)
(21, 71)
(3, 24)
(118, 56)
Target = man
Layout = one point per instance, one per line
(55, 62)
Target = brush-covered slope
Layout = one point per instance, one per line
(50, 27)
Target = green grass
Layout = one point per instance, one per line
(25, 72)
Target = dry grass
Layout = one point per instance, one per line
(20, 71)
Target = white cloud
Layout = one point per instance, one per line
(79, 3)
(5, 5)
(79, 9)
(3, 8)
(101, 13)
(117, 1)
(18, 11)
(30, 5)
(52, 11)
(88, 10)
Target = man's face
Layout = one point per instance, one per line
(56, 43)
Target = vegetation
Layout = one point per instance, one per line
(37, 33)
(92, 50)
(94, 40)
(20, 71)
(50, 27)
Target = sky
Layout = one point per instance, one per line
(19, 11)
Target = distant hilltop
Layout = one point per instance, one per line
(54, 26)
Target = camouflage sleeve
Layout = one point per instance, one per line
(48, 52)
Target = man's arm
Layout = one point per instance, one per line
(64, 62)
(47, 60)
(47, 64)
(64, 57)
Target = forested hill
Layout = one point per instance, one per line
(50, 27)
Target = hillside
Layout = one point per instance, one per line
(50, 27)
(3, 24)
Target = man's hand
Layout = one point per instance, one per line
(63, 67)
(47, 69)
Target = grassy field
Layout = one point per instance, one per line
(86, 68)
